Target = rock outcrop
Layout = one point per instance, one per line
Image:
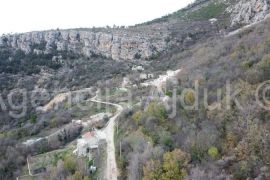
(248, 11)
(119, 44)
(139, 42)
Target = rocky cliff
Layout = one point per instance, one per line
(249, 11)
(118, 44)
(139, 42)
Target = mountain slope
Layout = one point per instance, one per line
(216, 139)
(210, 144)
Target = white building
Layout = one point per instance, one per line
(77, 122)
(144, 76)
(86, 144)
(213, 20)
(137, 68)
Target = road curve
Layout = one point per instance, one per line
(111, 169)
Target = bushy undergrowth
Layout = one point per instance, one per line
(236, 139)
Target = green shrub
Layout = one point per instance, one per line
(213, 10)
(156, 110)
(137, 116)
(70, 164)
(189, 97)
(213, 152)
(169, 93)
(247, 64)
(137, 56)
(264, 63)
(152, 134)
(33, 119)
(166, 139)
(241, 170)
(168, 142)
(197, 154)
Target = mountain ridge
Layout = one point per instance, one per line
(144, 41)
(124, 59)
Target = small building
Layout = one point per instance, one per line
(93, 169)
(146, 76)
(77, 122)
(213, 20)
(126, 82)
(87, 144)
(137, 68)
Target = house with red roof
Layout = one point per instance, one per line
(87, 144)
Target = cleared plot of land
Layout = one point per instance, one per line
(50, 158)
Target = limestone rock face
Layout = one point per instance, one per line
(249, 11)
(115, 44)
(143, 42)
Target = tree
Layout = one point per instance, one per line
(76, 176)
(137, 117)
(70, 164)
(33, 119)
(86, 178)
(189, 98)
(152, 170)
(174, 165)
(156, 110)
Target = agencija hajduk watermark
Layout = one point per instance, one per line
(18, 101)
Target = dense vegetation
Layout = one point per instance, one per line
(19, 62)
(219, 143)
(71, 75)
(201, 143)
(211, 10)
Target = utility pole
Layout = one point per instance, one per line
(120, 149)
(28, 165)
(117, 123)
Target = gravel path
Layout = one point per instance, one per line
(111, 169)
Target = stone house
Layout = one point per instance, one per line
(87, 144)
(146, 76)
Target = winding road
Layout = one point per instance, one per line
(111, 169)
(111, 172)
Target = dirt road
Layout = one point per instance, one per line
(111, 169)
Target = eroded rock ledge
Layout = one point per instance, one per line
(120, 44)
(249, 11)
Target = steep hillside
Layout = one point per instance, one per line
(230, 14)
(29, 52)
(193, 144)
(200, 132)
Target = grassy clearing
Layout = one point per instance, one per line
(50, 158)
(88, 109)
(213, 10)
(100, 162)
